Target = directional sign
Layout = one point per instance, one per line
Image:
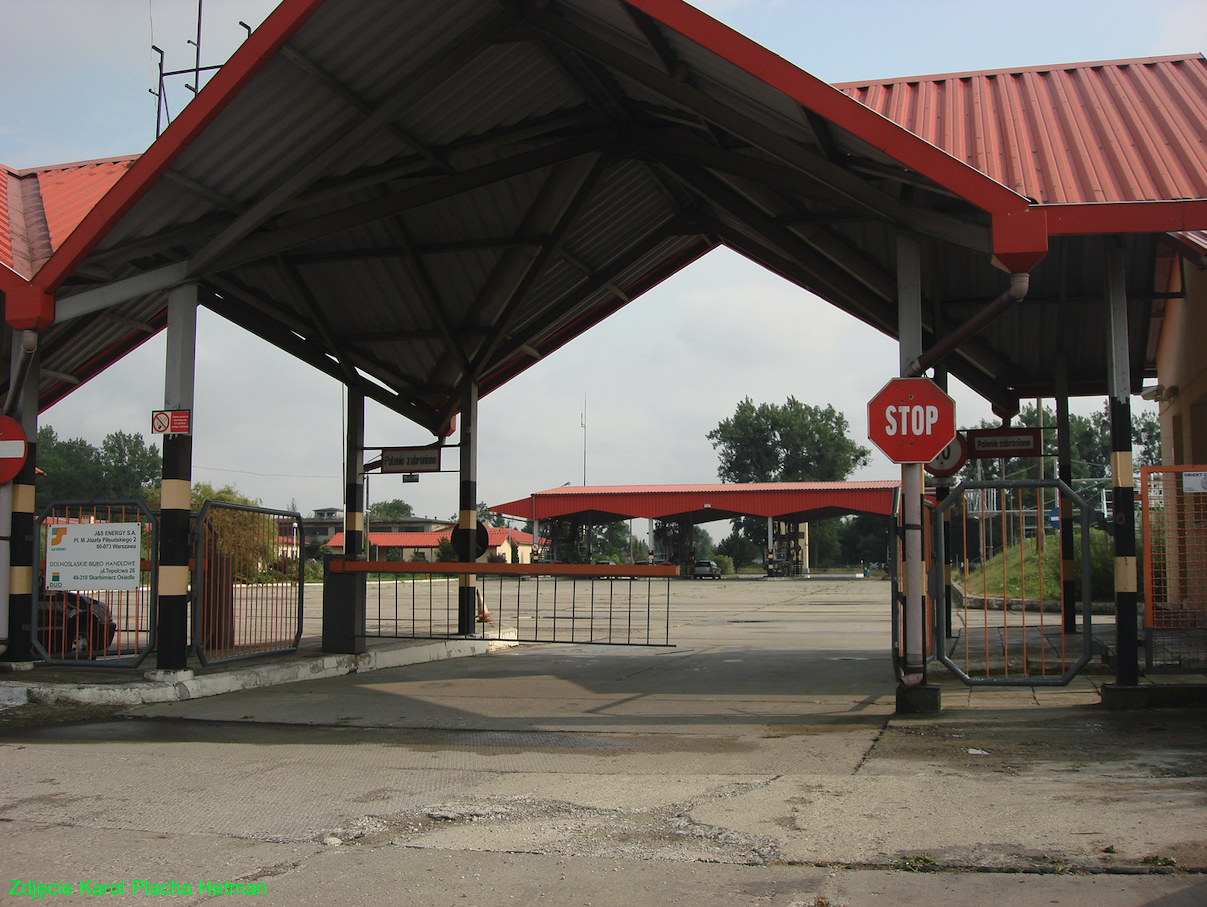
(13, 448)
(410, 459)
(911, 420)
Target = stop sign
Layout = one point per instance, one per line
(911, 420)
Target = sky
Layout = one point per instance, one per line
(631, 401)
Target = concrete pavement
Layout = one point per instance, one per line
(759, 762)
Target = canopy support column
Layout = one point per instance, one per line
(344, 593)
(913, 693)
(17, 504)
(1127, 668)
(176, 486)
(467, 521)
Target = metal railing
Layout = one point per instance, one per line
(566, 603)
(82, 620)
(247, 582)
(1006, 628)
(1173, 502)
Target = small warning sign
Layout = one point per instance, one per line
(172, 422)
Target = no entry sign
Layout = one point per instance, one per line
(14, 447)
(911, 420)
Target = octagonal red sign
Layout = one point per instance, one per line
(911, 420)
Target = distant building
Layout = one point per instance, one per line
(328, 522)
(513, 546)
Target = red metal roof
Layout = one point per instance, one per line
(1113, 131)
(48, 203)
(702, 503)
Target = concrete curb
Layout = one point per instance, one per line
(182, 685)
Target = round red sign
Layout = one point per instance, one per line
(14, 447)
(911, 420)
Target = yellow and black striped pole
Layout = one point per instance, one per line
(21, 553)
(467, 518)
(1127, 648)
(176, 485)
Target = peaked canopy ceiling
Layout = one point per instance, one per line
(413, 195)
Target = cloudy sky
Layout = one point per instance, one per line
(655, 378)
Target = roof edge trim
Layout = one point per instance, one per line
(833, 104)
(1127, 217)
(1017, 70)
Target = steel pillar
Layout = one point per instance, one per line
(467, 521)
(1127, 664)
(344, 593)
(176, 485)
(909, 335)
(18, 500)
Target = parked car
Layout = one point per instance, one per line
(73, 625)
(706, 570)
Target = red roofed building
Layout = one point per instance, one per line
(509, 543)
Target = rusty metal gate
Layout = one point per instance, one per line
(1005, 624)
(89, 608)
(247, 582)
(568, 603)
(1173, 502)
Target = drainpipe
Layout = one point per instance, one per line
(29, 346)
(1020, 282)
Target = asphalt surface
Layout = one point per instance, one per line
(758, 762)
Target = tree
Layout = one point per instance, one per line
(740, 550)
(795, 442)
(390, 510)
(130, 465)
(124, 467)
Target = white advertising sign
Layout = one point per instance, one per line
(90, 557)
(1194, 482)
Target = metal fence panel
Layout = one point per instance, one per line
(247, 582)
(1173, 503)
(96, 626)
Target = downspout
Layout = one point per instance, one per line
(29, 346)
(1020, 282)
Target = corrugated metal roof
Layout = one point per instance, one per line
(48, 203)
(703, 503)
(1111, 131)
(411, 194)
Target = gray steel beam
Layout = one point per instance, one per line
(269, 243)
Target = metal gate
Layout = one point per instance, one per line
(88, 609)
(596, 604)
(1173, 503)
(247, 582)
(1005, 624)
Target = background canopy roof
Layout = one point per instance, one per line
(412, 196)
(790, 501)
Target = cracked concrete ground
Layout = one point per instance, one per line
(758, 763)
